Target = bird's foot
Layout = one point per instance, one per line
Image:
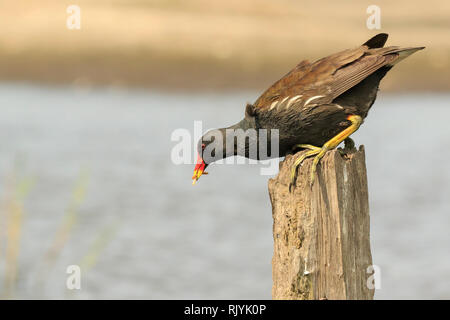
(313, 150)
(304, 146)
(316, 160)
(335, 141)
(329, 145)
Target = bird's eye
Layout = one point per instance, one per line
(203, 146)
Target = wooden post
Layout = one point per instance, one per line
(321, 234)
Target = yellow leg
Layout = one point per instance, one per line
(335, 141)
(305, 146)
(313, 151)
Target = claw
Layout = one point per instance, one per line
(319, 156)
(313, 150)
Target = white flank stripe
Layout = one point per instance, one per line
(273, 105)
(311, 99)
(282, 102)
(294, 99)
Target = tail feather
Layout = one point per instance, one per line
(403, 53)
(377, 41)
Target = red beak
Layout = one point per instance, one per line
(199, 169)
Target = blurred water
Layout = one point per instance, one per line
(213, 240)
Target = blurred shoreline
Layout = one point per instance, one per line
(197, 45)
(194, 74)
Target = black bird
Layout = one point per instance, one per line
(315, 106)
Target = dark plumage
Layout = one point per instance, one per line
(312, 103)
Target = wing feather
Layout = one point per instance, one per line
(326, 78)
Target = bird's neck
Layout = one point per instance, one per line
(238, 137)
(244, 124)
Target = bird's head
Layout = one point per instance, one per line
(209, 149)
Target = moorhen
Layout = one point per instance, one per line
(315, 106)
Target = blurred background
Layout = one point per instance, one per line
(86, 118)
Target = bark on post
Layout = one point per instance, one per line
(321, 234)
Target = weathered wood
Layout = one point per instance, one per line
(321, 234)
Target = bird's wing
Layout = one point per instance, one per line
(324, 80)
(274, 92)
